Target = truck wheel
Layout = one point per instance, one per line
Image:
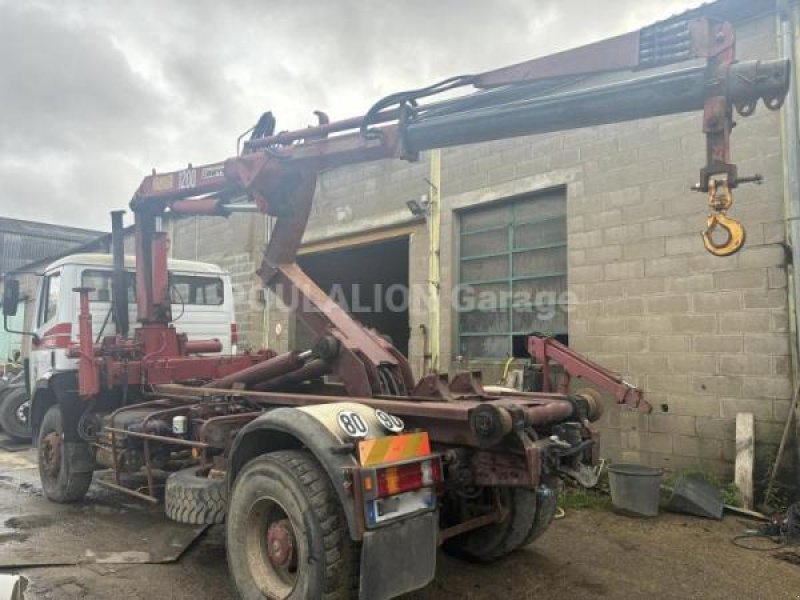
(15, 407)
(287, 536)
(192, 498)
(59, 482)
(528, 514)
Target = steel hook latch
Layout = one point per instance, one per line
(720, 200)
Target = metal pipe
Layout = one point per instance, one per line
(311, 370)
(119, 277)
(240, 208)
(203, 346)
(319, 131)
(278, 365)
(124, 490)
(434, 270)
(158, 438)
(660, 94)
(550, 412)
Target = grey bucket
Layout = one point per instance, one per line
(635, 489)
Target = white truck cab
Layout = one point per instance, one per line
(202, 307)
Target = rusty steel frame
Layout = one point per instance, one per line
(544, 350)
(538, 410)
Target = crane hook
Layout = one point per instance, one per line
(720, 200)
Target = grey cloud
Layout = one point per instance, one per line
(112, 89)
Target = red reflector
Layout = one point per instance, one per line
(234, 334)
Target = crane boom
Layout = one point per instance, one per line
(278, 172)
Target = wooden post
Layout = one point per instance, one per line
(745, 455)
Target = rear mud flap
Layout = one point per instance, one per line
(399, 558)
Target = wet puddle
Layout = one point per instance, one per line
(14, 530)
(28, 522)
(12, 587)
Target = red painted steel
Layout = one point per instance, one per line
(544, 350)
(88, 376)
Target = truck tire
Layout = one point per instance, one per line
(287, 537)
(15, 407)
(529, 513)
(192, 498)
(59, 482)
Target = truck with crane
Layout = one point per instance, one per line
(338, 474)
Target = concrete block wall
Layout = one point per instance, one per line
(705, 337)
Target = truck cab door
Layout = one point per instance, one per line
(53, 333)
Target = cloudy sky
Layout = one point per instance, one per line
(93, 94)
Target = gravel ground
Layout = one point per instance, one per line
(588, 554)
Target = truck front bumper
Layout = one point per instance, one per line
(399, 558)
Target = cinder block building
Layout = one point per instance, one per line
(602, 220)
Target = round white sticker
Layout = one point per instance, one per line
(352, 424)
(390, 422)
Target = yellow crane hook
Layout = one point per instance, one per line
(720, 200)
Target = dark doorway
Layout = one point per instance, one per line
(371, 281)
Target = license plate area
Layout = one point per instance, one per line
(382, 510)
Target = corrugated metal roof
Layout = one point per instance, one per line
(25, 242)
(36, 228)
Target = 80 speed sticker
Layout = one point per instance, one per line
(390, 422)
(352, 424)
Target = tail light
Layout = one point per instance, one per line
(408, 477)
(399, 490)
(234, 334)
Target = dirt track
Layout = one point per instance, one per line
(588, 554)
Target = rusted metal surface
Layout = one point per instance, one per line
(544, 350)
(121, 488)
(467, 384)
(278, 365)
(202, 346)
(213, 431)
(313, 369)
(501, 468)
(158, 438)
(446, 422)
(470, 525)
(433, 386)
(613, 54)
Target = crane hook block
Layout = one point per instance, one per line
(733, 241)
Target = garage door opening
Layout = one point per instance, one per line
(370, 281)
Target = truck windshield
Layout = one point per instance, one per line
(101, 282)
(197, 290)
(184, 289)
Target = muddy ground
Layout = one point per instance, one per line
(588, 554)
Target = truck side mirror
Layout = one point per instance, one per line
(10, 297)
